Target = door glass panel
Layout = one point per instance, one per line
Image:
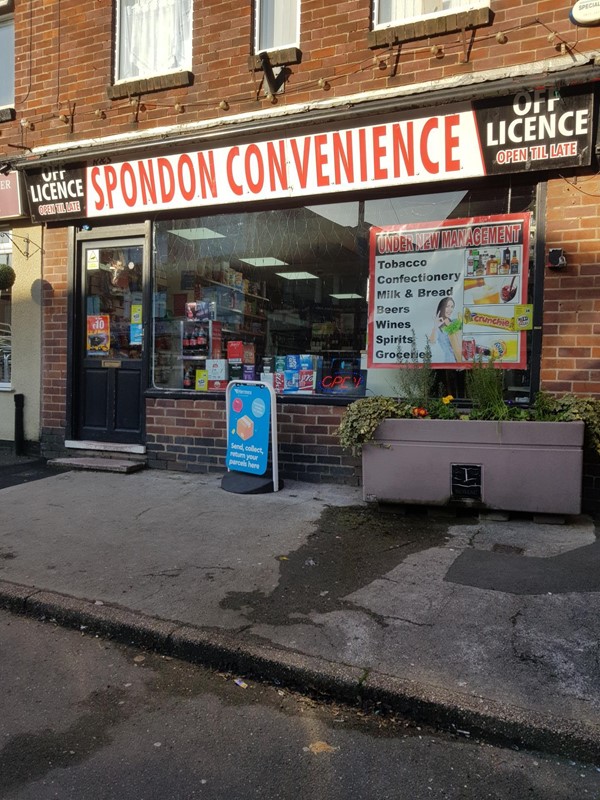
(113, 301)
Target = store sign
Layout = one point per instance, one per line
(586, 12)
(10, 196)
(458, 285)
(56, 194)
(531, 130)
(539, 129)
(249, 406)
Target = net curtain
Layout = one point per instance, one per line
(154, 37)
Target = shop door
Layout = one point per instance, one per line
(110, 342)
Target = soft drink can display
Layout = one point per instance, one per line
(468, 349)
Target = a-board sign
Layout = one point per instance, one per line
(251, 428)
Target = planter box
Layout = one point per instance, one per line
(511, 466)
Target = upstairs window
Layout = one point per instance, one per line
(7, 59)
(154, 37)
(396, 12)
(277, 24)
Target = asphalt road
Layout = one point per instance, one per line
(86, 719)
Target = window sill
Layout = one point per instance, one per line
(437, 26)
(6, 387)
(7, 114)
(158, 83)
(277, 58)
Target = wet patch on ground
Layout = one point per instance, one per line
(28, 472)
(30, 756)
(350, 548)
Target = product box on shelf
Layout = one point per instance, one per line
(292, 362)
(235, 352)
(278, 381)
(306, 381)
(267, 377)
(201, 384)
(248, 372)
(291, 381)
(217, 369)
(235, 372)
(217, 386)
(248, 354)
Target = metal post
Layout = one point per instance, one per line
(19, 429)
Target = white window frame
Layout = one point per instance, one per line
(186, 61)
(280, 46)
(9, 19)
(464, 5)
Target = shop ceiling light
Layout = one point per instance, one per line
(349, 296)
(297, 276)
(264, 262)
(195, 234)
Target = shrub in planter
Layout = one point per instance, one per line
(420, 454)
(7, 277)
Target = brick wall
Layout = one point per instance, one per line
(54, 339)
(190, 436)
(64, 58)
(571, 341)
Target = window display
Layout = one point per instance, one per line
(282, 295)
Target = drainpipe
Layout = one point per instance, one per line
(19, 429)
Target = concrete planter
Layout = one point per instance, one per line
(510, 466)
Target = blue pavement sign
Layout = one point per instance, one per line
(249, 417)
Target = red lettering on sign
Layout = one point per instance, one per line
(148, 182)
(321, 159)
(277, 164)
(207, 174)
(99, 202)
(111, 183)
(404, 147)
(235, 187)
(342, 157)
(380, 172)
(166, 179)
(428, 163)
(451, 122)
(128, 185)
(254, 156)
(301, 164)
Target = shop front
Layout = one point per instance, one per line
(317, 263)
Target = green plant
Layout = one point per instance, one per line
(485, 387)
(362, 417)
(415, 378)
(7, 276)
(568, 408)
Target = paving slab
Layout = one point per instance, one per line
(311, 575)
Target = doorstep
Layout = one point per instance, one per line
(113, 447)
(97, 464)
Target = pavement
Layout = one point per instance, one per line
(487, 628)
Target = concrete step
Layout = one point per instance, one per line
(98, 464)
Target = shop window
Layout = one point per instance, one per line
(7, 60)
(5, 316)
(283, 295)
(397, 12)
(277, 24)
(154, 37)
